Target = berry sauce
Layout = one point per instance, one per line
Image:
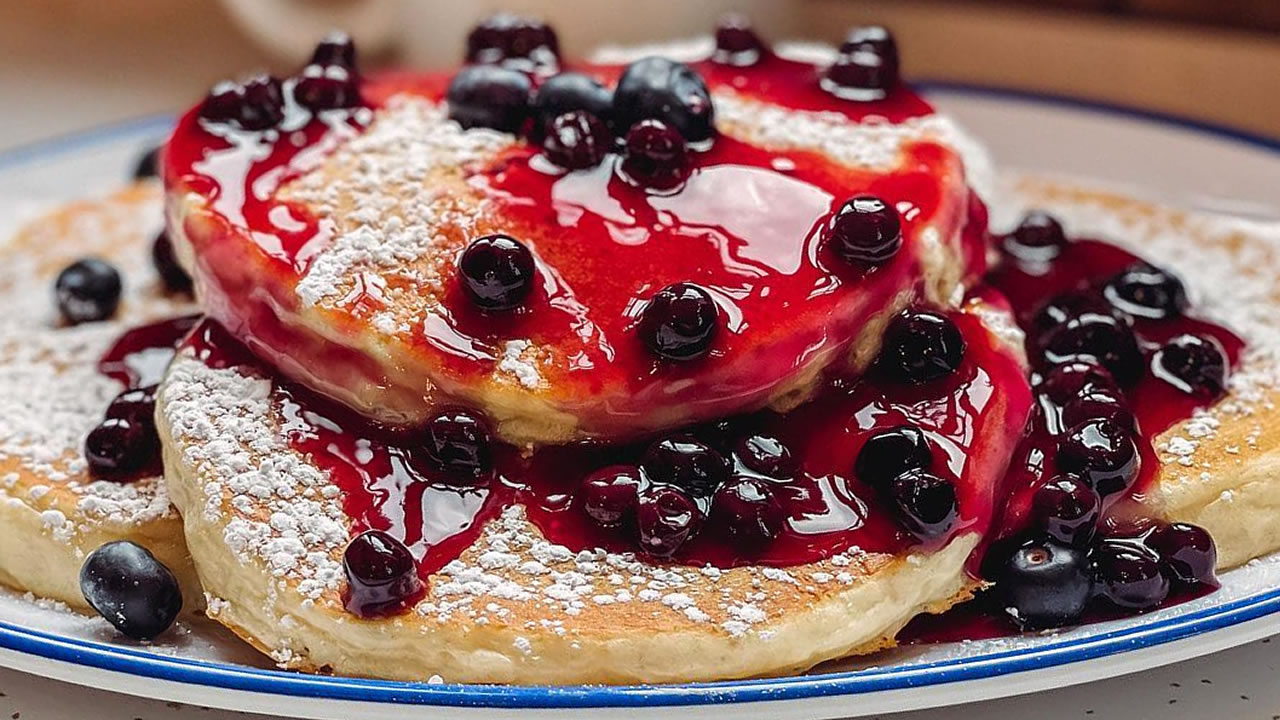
(141, 355)
(971, 418)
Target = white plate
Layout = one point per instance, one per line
(1166, 159)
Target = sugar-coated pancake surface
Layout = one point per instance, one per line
(347, 251)
(507, 600)
(52, 393)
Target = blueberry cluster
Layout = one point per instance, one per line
(898, 464)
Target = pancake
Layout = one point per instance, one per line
(1219, 469)
(52, 394)
(339, 268)
(268, 512)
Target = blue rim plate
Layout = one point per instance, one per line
(19, 641)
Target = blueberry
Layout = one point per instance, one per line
(656, 88)
(1099, 403)
(750, 510)
(1103, 339)
(666, 519)
(654, 155)
(737, 43)
(166, 263)
(1102, 453)
(865, 231)
(679, 322)
(569, 92)
(125, 584)
(458, 442)
(137, 405)
(256, 104)
(891, 452)
(88, 290)
(610, 494)
(766, 455)
(687, 463)
(1038, 238)
(925, 504)
(336, 48)
(577, 140)
(1064, 307)
(1062, 383)
(1146, 291)
(1128, 574)
(148, 165)
(866, 68)
(498, 272)
(1195, 364)
(1066, 509)
(1045, 585)
(1187, 553)
(519, 42)
(117, 448)
(382, 576)
(489, 96)
(327, 87)
(921, 346)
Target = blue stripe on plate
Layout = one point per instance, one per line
(234, 677)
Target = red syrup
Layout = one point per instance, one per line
(971, 417)
(141, 355)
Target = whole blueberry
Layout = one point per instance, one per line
(655, 88)
(1128, 574)
(610, 494)
(655, 155)
(1099, 403)
(686, 462)
(514, 40)
(749, 509)
(925, 503)
(865, 230)
(498, 272)
(118, 448)
(891, 452)
(569, 92)
(679, 322)
(262, 103)
(1063, 307)
(1104, 339)
(382, 575)
(88, 290)
(1038, 238)
(767, 455)
(1102, 453)
(921, 346)
(737, 43)
(1187, 553)
(1195, 364)
(866, 68)
(458, 442)
(577, 140)
(1063, 383)
(327, 87)
(489, 96)
(1066, 510)
(1045, 585)
(666, 518)
(336, 48)
(125, 584)
(1146, 291)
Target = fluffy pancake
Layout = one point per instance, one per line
(267, 526)
(52, 513)
(1220, 469)
(372, 291)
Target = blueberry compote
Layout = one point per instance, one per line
(762, 489)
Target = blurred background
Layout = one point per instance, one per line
(71, 64)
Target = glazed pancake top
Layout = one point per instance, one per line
(330, 246)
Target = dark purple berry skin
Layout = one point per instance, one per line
(457, 442)
(865, 231)
(1147, 291)
(166, 263)
(610, 494)
(680, 322)
(327, 87)
(1045, 585)
(1099, 403)
(655, 155)
(1195, 364)
(1064, 307)
(256, 104)
(925, 503)
(577, 140)
(687, 463)
(148, 165)
(88, 290)
(489, 96)
(737, 43)
(1099, 338)
(519, 42)
(655, 88)
(749, 510)
(498, 273)
(337, 48)
(1187, 553)
(1128, 574)
(569, 92)
(118, 447)
(1063, 383)
(766, 455)
(1102, 453)
(125, 584)
(1038, 238)
(666, 519)
(382, 576)
(137, 405)
(921, 346)
(891, 452)
(867, 66)
(1066, 509)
